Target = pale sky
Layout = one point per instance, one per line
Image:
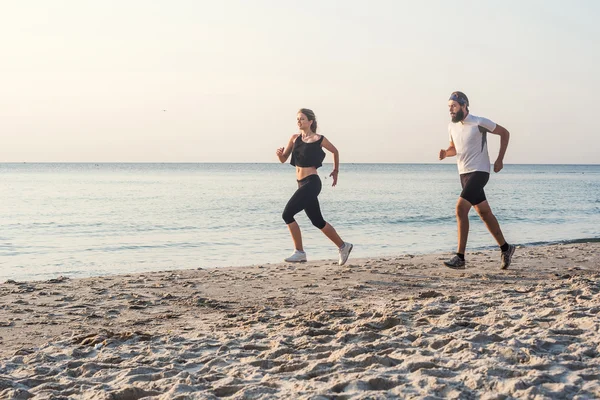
(87, 81)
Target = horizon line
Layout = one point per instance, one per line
(260, 162)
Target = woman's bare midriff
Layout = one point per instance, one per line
(303, 172)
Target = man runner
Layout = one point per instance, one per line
(468, 141)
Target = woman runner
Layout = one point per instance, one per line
(307, 153)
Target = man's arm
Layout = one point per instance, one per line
(504, 138)
(449, 152)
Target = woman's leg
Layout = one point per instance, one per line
(331, 233)
(313, 211)
(293, 207)
(296, 235)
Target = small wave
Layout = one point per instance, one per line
(425, 219)
(164, 228)
(420, 219)
(564, 241)
(183, 245)
(584, 240)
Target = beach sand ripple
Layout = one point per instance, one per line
(422, 332)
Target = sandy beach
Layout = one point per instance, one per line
(379, 328)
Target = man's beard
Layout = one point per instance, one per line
(460, 115)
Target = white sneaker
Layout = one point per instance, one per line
(344, 253)
(297, 256)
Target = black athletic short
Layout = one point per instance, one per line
(473, 184)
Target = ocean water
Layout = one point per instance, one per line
(81, 220)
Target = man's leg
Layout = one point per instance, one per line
(462, 219)
(485, 213)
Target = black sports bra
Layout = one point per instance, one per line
(307, 154)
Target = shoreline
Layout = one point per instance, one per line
(382, 326)
(473, 250)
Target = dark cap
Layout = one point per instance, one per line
(460, 98)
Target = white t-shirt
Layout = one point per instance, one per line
(470, 140)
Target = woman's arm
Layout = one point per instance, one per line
(282, 153)
(336, 159)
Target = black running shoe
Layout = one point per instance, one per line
(507, 256)
(455, 263)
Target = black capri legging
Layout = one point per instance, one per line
(306, 199)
